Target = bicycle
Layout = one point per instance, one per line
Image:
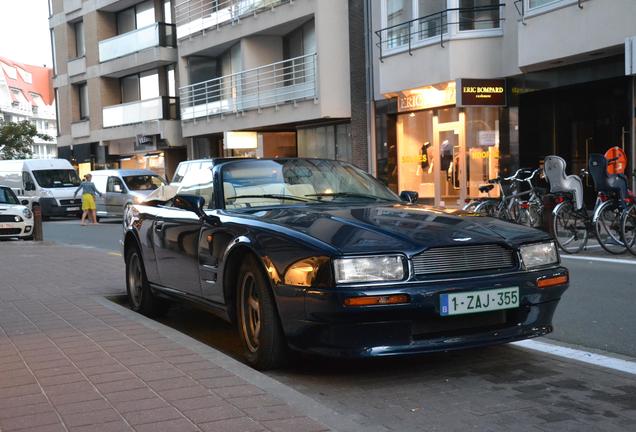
(506, 207)
(531, 211)
(571, 221)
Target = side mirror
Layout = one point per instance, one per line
(29, 187)
(191, 203)
(117, 188)
(25, 202)
(409, 196)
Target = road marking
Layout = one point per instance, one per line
(601, 259)
(580, 355)
(117, 254)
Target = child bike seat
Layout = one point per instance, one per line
(604, 182)
(554, 170)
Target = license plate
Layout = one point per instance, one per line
(479, 301)
(6, 225)
(72, 209)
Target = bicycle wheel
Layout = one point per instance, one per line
(628, 229)
(487, 208)
(529, 216)
(607, 227)
(569, 228)
(471, 206)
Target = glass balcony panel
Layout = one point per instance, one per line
(157, 34)
(138, 112)
(193, 16)
(270, 85)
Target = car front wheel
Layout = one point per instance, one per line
(140, 295)
(259, 325)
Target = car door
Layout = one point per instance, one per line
(176, 239)
(115, 196)
(178, 231)
(100, 184)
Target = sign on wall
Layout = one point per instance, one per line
(481, 92)
(434, 96)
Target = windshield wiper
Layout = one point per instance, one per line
(350, 194)
(271, 196)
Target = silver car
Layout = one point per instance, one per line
(123, 187)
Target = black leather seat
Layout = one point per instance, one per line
(486, 188)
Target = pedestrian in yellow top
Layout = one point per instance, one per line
(88, 199)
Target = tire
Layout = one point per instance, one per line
(569, 228)
(628, 229)
(487, 208)
(607, 227)
(258, 322)
(140, 295)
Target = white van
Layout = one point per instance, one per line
(49, 183)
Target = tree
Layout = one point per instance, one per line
(16, 139)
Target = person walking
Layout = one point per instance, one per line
(88, 199)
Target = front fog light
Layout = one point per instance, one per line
(27, 229)
(539, 255)
(369, 269)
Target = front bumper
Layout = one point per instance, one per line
(51, 207)
(16, 229)
(329, 328)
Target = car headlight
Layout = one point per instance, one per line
(27, 213)
(46, 193)
(539, 255)
(369, 269)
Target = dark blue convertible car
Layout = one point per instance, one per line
(317, 256)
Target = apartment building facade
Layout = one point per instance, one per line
(273, 78)
(115, 64)
(466, 90)
(26, 94)
(150, 83)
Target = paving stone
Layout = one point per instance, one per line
(154, 415)
(294, 425)
(179, 425)
(241, 424)
(91, 417)
(29, 421)
(209, 414)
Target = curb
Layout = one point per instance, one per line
(304, 404)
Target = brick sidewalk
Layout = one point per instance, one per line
(69, 363)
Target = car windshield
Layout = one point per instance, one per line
(266, 183)
(8, 197)
(143, 182)
(56, 178)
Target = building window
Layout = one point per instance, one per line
(136, 17)
(82, 97)
(533, 4)
(80, 48)
(172, 84)
(478, 14)
(140, 86)
(167, 12)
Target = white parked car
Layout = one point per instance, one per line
(16, 220)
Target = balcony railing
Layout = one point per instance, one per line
(160, 108)
(193, 16)
(266, 86)
(438, 27)
(154, 35)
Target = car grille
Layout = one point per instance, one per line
(462, 259)
(8, 218)
(10, 231)
(68, 202)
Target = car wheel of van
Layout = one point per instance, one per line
(140, 295)
(259, 325)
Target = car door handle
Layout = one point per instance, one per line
(158, 226)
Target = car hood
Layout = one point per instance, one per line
(12, 209)
(395, 227)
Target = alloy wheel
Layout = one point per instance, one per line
(135, 281)
(250, 312)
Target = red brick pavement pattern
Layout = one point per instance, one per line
(67, 363)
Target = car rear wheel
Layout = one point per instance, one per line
(259, 325)
(140, 295)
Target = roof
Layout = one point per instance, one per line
(28, 79)
(124, 172)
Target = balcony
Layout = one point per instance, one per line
(271, 85)
(160, 108)
(193, 16)
(154, 35)
(77, 66)
(437, 28)
(80, 129)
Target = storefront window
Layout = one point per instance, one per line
(416, 154)
(482, 147)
